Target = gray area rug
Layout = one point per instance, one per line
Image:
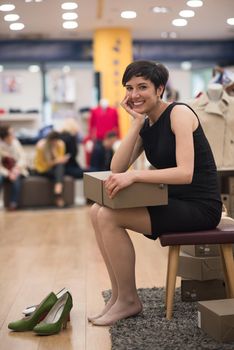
(151, 331)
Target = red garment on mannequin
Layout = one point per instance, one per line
(103, 120)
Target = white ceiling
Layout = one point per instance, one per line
(43, 20)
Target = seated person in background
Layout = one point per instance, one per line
(69, 134)
(102, 152)
(12, 163)
(50, 160)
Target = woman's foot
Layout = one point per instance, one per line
(59, 201)
(119, 311)
(109, 304)
(12, 206)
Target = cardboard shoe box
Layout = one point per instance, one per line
(135, 195)
(201, 250)
(193, 290)
(216, 318)
(197, 268)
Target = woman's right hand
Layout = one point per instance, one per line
(128, 106)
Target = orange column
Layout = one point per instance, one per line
(112, 53)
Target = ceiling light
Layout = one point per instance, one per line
(187, 13)
(69, 6)
(70, 25)
(186, 65)
(16, 26)
(160, 9)
(179, 22)
(11, 17)
(7, 7)
(173, 35)
(128, 14)
(195, 3)
(70, 16)
(230, 21)
(66, 69)
(164, 35)
(34, 68)
(28, 0)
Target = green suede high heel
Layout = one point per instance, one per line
(29, 322)
(30, 309)
(57, 317)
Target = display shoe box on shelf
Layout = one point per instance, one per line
(197, 268)
(135, 195)
(216, 318)
(193, 290)
(201, 250)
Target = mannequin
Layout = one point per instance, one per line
(104, 103)
(215, 109)
(214, 92)
(103, 119)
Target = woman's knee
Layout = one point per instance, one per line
(94, 211)
(105, 216)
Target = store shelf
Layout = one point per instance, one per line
(18, 117)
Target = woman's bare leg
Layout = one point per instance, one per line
(114, 289)
(121, 256)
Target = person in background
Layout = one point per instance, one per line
(69, 134)
(174, 143)
(12, 164)
(50, 160)
(102, 152)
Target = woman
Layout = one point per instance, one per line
(50, 160)
(12, 164)
(69, 134)
(174, 143)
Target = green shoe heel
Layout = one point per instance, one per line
(29, 322)
(57, 317)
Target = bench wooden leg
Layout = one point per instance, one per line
(172, 267)
(228, 268)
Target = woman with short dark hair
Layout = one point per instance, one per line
(174, 143)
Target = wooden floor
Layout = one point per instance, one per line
(45, 250)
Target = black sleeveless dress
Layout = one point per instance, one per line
(191, 207)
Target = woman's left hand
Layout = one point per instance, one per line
(116, 182)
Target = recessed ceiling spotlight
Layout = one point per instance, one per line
(164, 35)
(7, 7)
(34, 68)
(68, 16)
(69, 6)
(16, 26)
(160, 9)
(195, 3)
(179, 22)
(28, 0)
(70, 25)
(230, 21)
(128, 14)
(11, 17)
(187, 13)
(38, 0)
(172, 35)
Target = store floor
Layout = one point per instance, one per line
(47, 250)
